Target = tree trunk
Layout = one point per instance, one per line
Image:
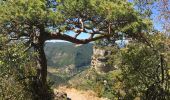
(41, 63)
(41, 81)
(40, 86)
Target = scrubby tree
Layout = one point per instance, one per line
(37, 21)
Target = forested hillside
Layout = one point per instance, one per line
(60, 54)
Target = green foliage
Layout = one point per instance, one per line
(111, 10)
(16, 71)
(27, 10)
(22, 16)
(144, 69)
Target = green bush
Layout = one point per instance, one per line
(16, 71)
(144, 69)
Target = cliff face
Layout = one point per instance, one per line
(99, 60)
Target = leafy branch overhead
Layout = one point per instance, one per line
(99, 19)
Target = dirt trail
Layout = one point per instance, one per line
(75, 94)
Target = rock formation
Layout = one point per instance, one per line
(99, 60)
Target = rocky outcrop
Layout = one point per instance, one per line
(99, 60)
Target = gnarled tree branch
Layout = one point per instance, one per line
(65, 37)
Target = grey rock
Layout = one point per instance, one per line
(99, 60)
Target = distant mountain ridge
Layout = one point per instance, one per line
(61, 54)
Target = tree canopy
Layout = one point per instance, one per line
(103, 17)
